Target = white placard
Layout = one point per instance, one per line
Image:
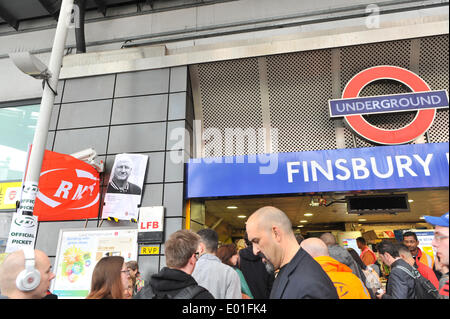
(22, 232)
(28, 196)
(151, 219)
(78, 252)
(123, 196)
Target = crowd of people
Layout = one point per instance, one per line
(273, 263)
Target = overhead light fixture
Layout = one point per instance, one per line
(410, 200)
(421, 217)
(303, 221)
(307, 214)
(232, 207)
(301, 226)
(312, 203)
(242, 216)
(362, 220)
(30, 65)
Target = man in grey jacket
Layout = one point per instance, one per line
(341, 254)
(221, 280)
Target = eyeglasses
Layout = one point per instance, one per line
(439, 238)
(126, 271)
(197, 255)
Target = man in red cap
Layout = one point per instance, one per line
(440, 245)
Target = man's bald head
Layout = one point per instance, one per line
(124, 161)
(14, 263)
(270, 231)
(315, 247)
(328, 239)
(122, 168)
(267, 217)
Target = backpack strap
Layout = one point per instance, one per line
(189, 292)
(414, 274)
(424, 283)
(186, 293)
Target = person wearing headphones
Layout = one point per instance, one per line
(25, 274)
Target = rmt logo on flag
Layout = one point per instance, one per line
(68, 189)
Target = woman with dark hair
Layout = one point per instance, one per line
(371, 278)
(109, 279)
(229, 255)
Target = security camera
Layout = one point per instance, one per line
(31, 65)
(85, 155)
(88, 156)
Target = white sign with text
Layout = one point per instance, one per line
(22, 232)
(151, 219)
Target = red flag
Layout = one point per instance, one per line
(69, 189)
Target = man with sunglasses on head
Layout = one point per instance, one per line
(440, 245)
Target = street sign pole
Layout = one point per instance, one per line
(32, 174)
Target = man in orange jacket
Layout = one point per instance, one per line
(367, 255)
(348, 285)
(411, 241)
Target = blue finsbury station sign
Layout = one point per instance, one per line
(412, 166)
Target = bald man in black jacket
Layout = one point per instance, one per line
(300, 276)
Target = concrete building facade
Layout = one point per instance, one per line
(246, 63)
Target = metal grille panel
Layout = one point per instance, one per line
(433, 68)
(299, 89)
(230, 98)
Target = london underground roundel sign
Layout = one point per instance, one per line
(422, 99)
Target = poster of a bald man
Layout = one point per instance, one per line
(119, 182)
(124, 191)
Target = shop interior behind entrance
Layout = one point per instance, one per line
(314, 214)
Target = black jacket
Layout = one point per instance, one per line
(400, 285)
(303, 278)
(132, 189)
(169, 282)
(258, 279)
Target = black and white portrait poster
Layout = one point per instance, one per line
(124, 191)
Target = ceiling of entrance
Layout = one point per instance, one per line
(428, 202)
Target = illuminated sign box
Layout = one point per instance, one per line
(413, 166)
